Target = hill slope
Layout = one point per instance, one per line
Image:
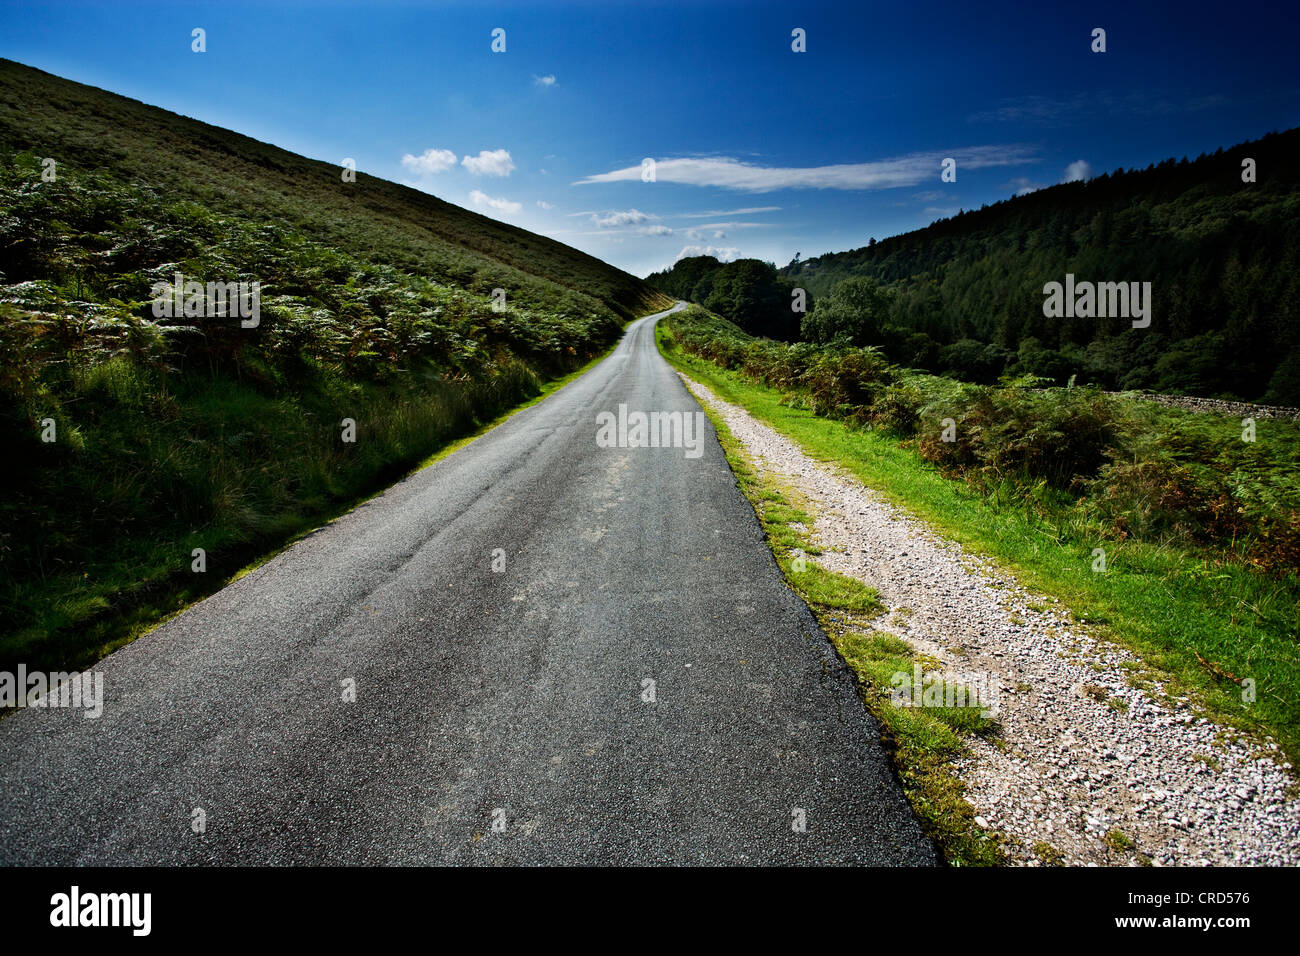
(141, 438)
(1222, 255)
(88, 129)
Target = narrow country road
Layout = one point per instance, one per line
(499, 715)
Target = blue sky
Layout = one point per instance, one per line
(760, 151)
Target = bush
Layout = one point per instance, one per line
(844, 384)
(1061, 436)
(1139, 469)
(1277, 549)
(898, 409)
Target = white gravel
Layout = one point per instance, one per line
(1076, 763)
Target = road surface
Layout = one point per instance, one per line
(500, 716)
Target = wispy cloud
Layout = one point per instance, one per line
(430, 161)
(1061, 110)
(544, 81)
(494, 162)
(734, 225)
(616, 235)
(910, 170)
(628, 217)
(719, 213)
(1031, 109)
(480, 198)
(1022, 185)
(543, 204)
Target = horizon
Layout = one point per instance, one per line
(550, 134)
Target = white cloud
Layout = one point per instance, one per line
(628, 217)
(430, 161)
(495, 162)
(546, 81)
(543, 204)
(479, 198)
(719, 235)
(719, 213)
(734, 225)
(909, 170)
(1077, 170)
(610, 235)
(725, 254)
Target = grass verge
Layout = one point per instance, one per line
(74, 619)
(1205, 628)
(922, 741)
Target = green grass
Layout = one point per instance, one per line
(1049, 854)
(923, 741)
(1200, 623)
(1119, 841)
(133, 582)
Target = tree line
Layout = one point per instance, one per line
(964, 296)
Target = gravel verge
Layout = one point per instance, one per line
(1088, 768)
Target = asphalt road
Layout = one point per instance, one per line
(499, 715)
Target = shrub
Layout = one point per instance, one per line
(898, 409)
(1160, 497)
(844, 384)
(1140, 469)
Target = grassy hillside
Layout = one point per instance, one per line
(381, 222)
(965, 295)
(139, 439)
